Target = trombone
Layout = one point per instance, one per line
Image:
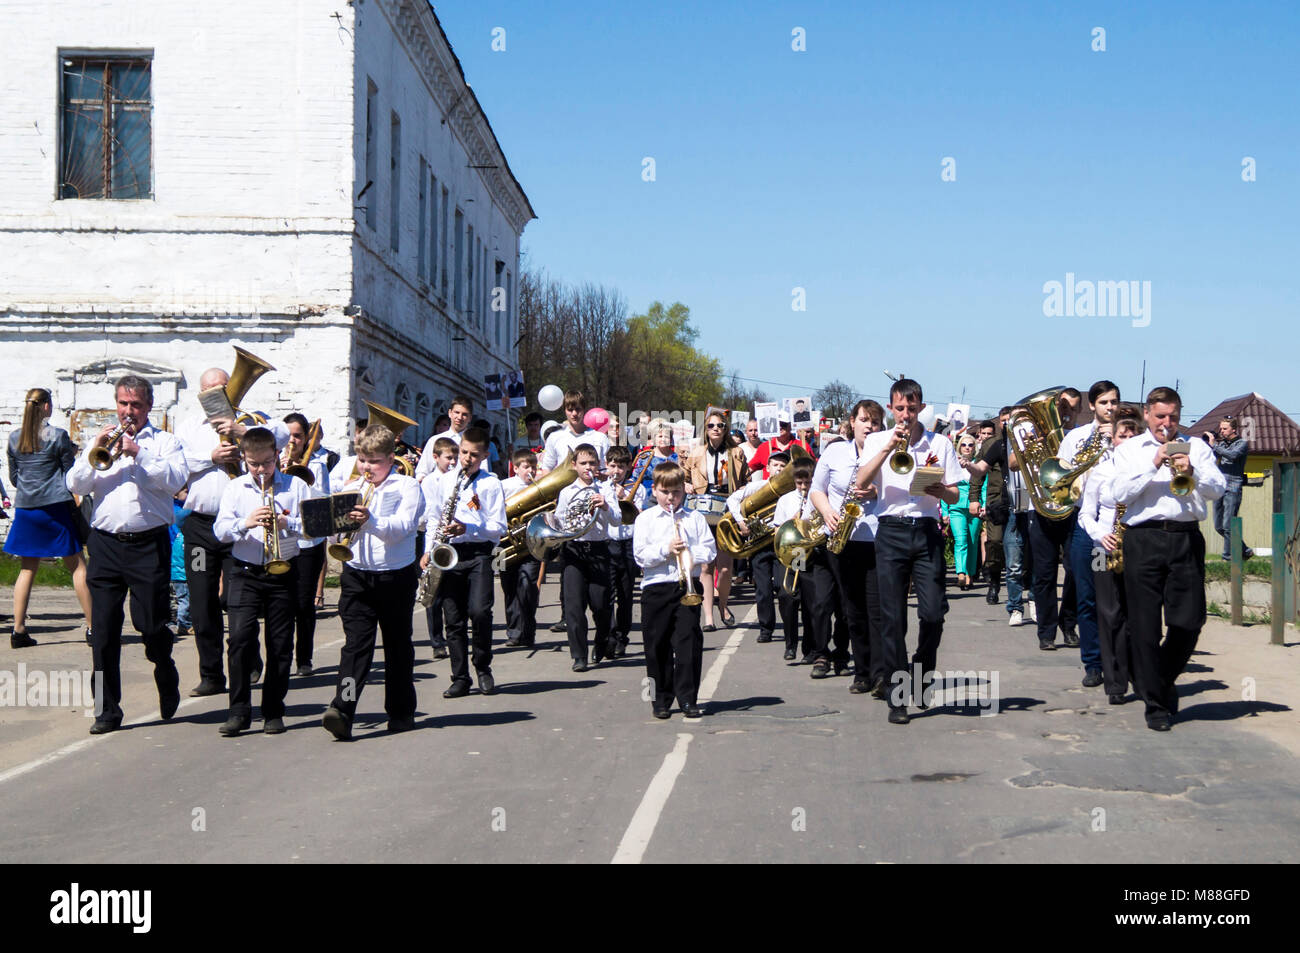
(101, 458)
(299, 467)
(271, 559)
(342, 550)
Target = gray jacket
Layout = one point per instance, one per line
(38, 478)
(1231, 457)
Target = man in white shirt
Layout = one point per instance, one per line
(460, 414)
(129, 548)
(909, 542)
(573, 433)
(1164, 551)
(211, 461)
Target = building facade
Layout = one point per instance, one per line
(312, 181)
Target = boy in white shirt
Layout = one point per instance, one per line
(519, 582)
(617, 463)
(587, 573)
(444, 458)
(263, 582)
(763, 564)
(797, 593)
(377, 589)
(674, 642)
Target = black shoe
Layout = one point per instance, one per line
(619, 650)
(1160, 722)
(597, 658)
(579, 665)
(234, 725)
(660, 712)
(807, 659)
(457, 689)
(1047, 645)
(764, 637)
(728, 618)
(710, 628)
(692, 711)
(337, 723)
(898, 716)
(558, 627)
(991, 597)
(255, 676)
(103, 726)
(841, 667)
(860, 686)
(1071, 639)
(1117, 698)
(401, 724)
(440, 653)
(207, 687)
(273, 726)
(167, 705)
(821, 668)
(89, 640)
(789, 655)
(304, 669)
(1092, 679)
(486, 684)
(21, 640)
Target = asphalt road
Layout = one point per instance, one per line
(562, 767)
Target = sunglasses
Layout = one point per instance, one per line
(714, 426)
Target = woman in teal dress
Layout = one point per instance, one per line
(964, 527)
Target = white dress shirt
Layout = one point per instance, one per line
(627, 530)
(484, 524)
(386, 541)
(893, 489)
(427, 456)
(345, 471)
(833, 477)
(512, 485)
(1097, 508)
(653, 534)
(134, 494)
(1144, 489)
(789, 506)
(561, 441)
(241, 497)
(746, 491)
(208, 480)
(608, 517)
(431, 511)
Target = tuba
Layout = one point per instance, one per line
(757, 509)
(547, 532)
(525, 505)
(408, 457)
(248, 368)
(1038, 449)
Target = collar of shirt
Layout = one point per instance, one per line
(894, 490)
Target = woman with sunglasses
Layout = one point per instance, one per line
(717, 468)
(964, 527)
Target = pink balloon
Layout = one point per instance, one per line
(597, 419)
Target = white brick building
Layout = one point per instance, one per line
(313, 181)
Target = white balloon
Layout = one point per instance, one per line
(550, 397)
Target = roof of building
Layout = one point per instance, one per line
(1268, 429)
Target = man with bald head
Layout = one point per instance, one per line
(206, 557)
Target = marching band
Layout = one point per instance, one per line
(1114, 501)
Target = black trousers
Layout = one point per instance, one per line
(855, 572)
(626, 573)
(384, 600)
(763, 566)
(825, 605)
(466, 594)
(1048, 540)
(1163, 569)
(996, 558)
(909, 550)
(674, 643)
(519, 587)
(587, 583)
(141, 567)
(206, 561)
(255, 594)
(794, 605)
(1112, 630)
(309, 563)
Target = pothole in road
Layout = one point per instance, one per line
(945, 776)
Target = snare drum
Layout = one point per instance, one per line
(713, 506)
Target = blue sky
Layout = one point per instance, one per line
(821, 169)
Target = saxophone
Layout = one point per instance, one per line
(442, 556)
(1115, 558)
(850, 510)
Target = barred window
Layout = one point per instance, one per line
(106, 128)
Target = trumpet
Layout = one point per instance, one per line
(685, 566)
(1182, 482)
(342, 550)
(901, 461)
(271, 560)
(101, 458)
(299, 467)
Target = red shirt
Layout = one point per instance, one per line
(769, 447)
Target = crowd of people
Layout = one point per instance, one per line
(213, 516)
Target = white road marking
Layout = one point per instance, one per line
(637, 836)
(714, 675)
